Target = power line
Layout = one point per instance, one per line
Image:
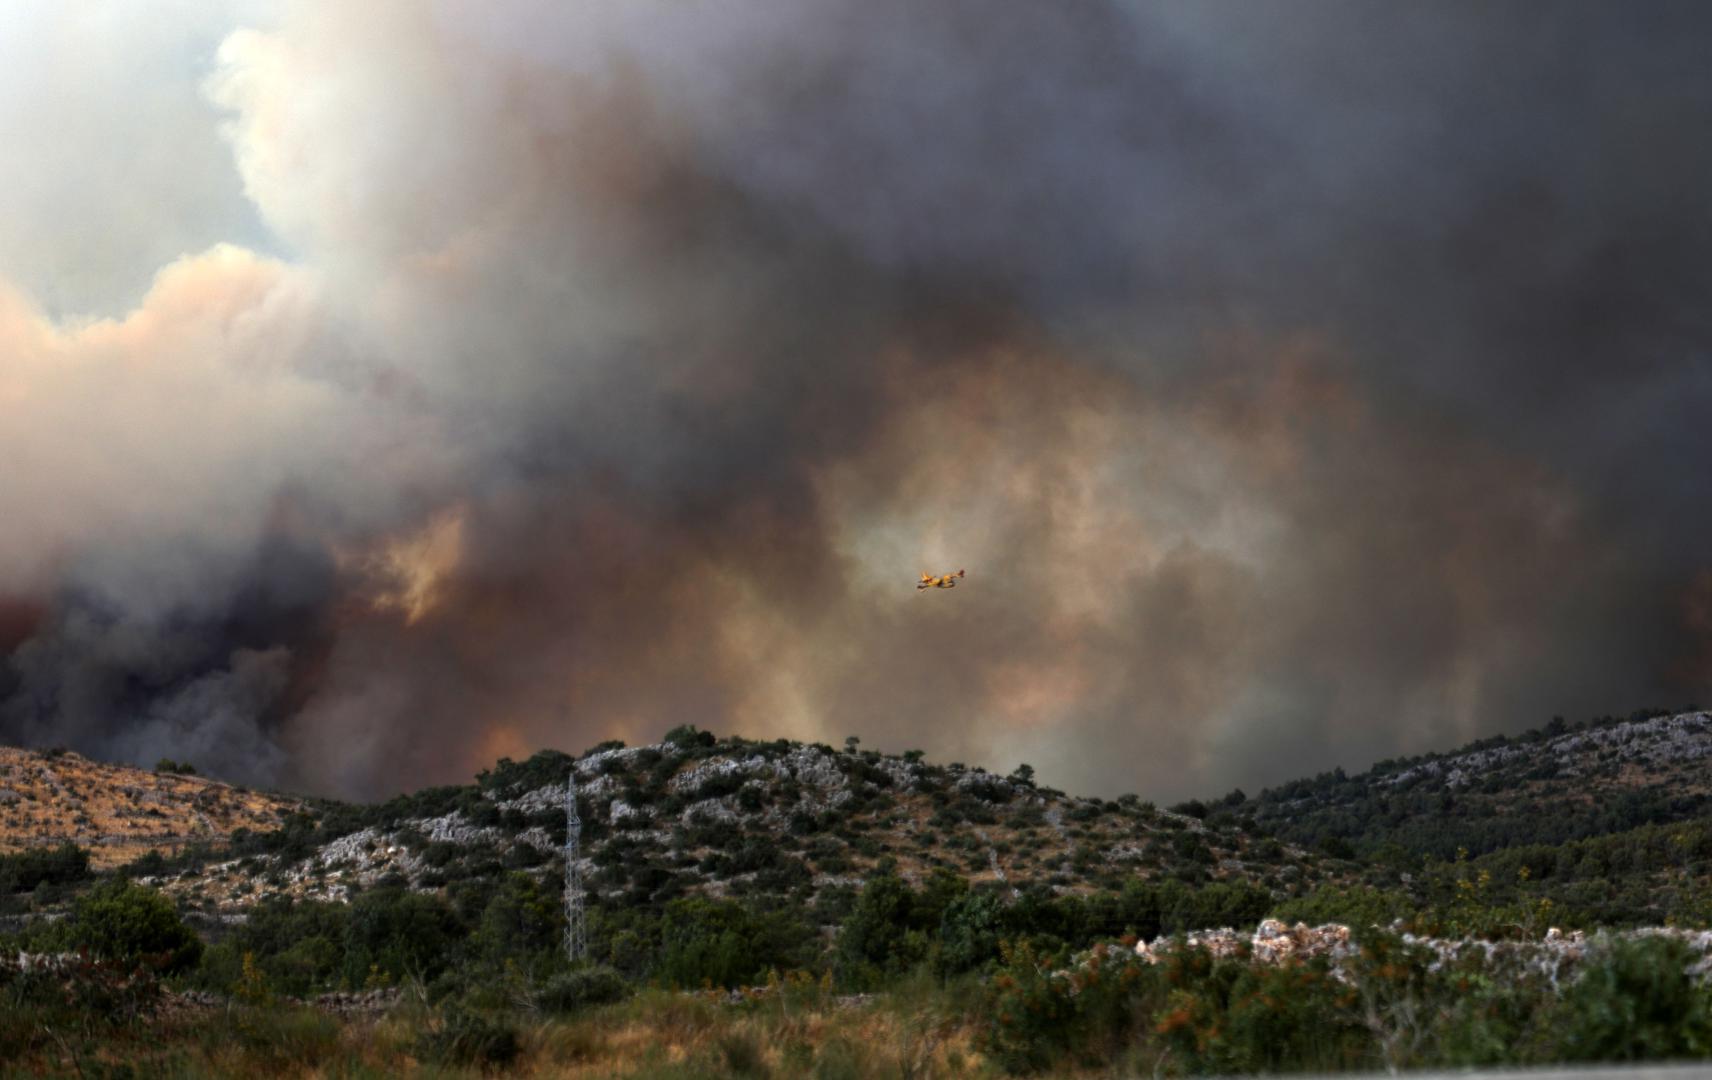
(576, 924)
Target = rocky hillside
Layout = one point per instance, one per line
(1553, 785)
(119, 813)
(1605, 820)
(733, 817)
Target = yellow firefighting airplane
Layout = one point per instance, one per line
(944, 581)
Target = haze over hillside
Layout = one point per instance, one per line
(1299, 384)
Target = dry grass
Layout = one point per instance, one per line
(119, 813)
(679, 1036)
(656, 1035)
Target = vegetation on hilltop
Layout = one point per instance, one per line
(1550, 786)
(777, 822)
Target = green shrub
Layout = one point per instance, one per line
(569, 991)
(1636, 1001)
(23, 871)
(523, 919)
(150, 864)
(1495, 1019)
(1031, 1014)
(123, 921)
(1357, 906)
(969, 932)
(893, 928)
(394, 933)
(687, 737)
(1287, 1018)
(724, 943)
(298, 946)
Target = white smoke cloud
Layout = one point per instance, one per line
(111, 161)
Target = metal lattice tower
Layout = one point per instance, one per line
(576, 926)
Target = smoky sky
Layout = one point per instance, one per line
(388, 388)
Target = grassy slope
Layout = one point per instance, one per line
(118, 812)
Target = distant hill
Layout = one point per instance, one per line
(119, 813)
(1609, 820)
(1554, 785)
(732, 817)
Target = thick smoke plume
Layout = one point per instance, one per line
(1298, 387)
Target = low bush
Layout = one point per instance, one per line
(465, 1037)
(1636, 1001)
(122, 921)
(570, 991)
(285, 1040)
(23, 871)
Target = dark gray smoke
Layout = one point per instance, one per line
(1298, 385)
